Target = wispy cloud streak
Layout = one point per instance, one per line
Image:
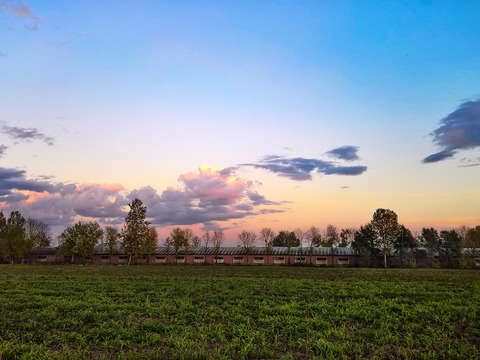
(302, 169)
(20, 134)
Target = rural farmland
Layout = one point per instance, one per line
(231, 312)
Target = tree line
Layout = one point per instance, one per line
(375, 242)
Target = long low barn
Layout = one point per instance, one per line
(321, 256)
(316, 256)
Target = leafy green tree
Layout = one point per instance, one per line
(286, 239)
(364, 244)
(112, 236)
(404, 245)
(346, 237)
(177, 240)
(151, 243)
(135, 231)
(81, 239)
(385, 223)
(13, 240)
(430, 239)
(450, 248)
(473, 242)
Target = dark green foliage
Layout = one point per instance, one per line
(404, 245)
(81, 239)
(431, 241)
(135, 231)
(286, 239)
(226, 312)
(450, 249)
(473, 243)
(385, 224)
(14, 243)
(111, 239)
(364, 244)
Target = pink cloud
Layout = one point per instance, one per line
(22, 11)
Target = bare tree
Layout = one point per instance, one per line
(247, 239)
(191, 238)
(266, 236)
(331, 239)
(313, 237)
(462, 231)
(206, 238)
(38, 234)
(217, 239)
(301, 236)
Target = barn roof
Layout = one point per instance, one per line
(259, 250)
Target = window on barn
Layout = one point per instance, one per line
(219, 259)
(42, 258)
(160, 259)
(181, 260)
(105, 259)
(258, 260)
(142, 259)
(300, 260)
(198, 259)
(477, 262)
(279, 260)
(343, 261)
(238, 259)
(321, 261)
(123, 259)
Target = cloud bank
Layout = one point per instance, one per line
(459, 130)
(19, 134)
(207, 196)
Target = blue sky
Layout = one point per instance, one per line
(138, 93)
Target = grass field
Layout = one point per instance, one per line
(227, 312)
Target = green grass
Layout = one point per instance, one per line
(243, 312)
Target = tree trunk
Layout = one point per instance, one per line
(129, 259)
(73, 257)
(385, 260)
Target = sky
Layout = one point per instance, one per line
(239, 115)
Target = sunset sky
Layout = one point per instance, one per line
(241, 115)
